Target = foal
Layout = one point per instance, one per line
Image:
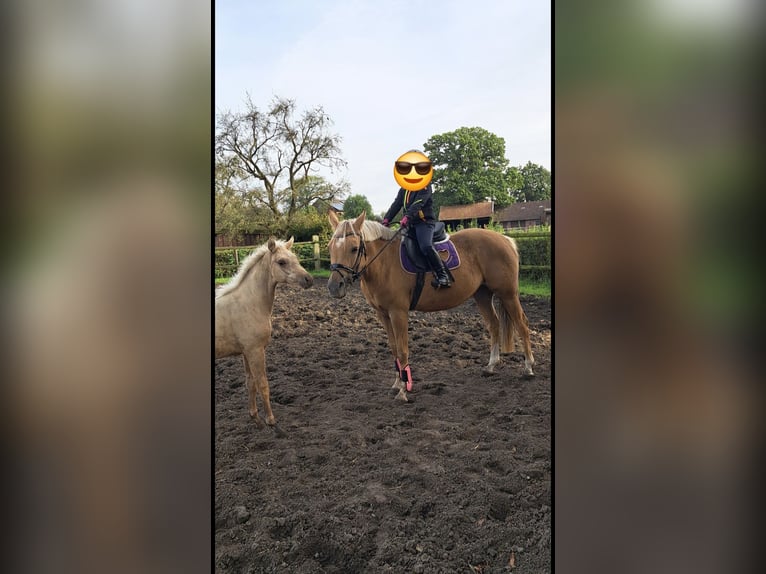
(243, 314)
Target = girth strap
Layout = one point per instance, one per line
(419, 282)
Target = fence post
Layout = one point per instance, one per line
(317, 262)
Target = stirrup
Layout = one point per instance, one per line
(438, 282)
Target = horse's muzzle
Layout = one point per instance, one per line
(307, 281)
(336, 288)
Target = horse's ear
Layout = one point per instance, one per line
(333, 219)
(272, 243)
(289, 243)
(358, 222)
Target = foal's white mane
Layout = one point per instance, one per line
(247, 264)
(371, 230)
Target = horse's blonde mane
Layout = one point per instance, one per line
(247, 264)
(371, 230)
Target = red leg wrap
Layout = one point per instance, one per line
(406, 376)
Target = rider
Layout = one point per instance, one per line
(415, 196)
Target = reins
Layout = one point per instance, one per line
(354, 272)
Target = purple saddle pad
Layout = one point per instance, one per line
(452, 261)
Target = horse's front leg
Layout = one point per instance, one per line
(257, 359)
(399, 320)
(385, 320)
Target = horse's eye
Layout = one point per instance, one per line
(354, 249)
(282, 262)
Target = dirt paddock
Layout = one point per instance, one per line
(458, 480)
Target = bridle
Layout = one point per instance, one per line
(353, 273)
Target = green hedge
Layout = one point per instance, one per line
(534, 254)
(305, 253)
(226, 265)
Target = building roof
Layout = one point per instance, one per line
(325, 205)
(524, 210)
(472, 211)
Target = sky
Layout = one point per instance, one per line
(392, 74)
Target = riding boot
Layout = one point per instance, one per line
(441, 277)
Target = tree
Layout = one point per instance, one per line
(535, 183)
(232, 211)
(470, 166)
(235, 211)
(355, 205)
(275, 155)
(313, 188)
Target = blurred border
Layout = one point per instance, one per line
(107, 280)
(658, 278)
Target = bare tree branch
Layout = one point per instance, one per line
(278, 151)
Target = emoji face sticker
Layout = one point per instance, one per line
(413, 171)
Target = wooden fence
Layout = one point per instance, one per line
(534, 246)
(310, 254)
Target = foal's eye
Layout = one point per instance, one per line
(282, 262)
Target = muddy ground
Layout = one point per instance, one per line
(458, 480)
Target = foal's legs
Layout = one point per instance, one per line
(257, 382)
(483, 298)
(250, 383)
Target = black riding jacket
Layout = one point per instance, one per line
(418, 205)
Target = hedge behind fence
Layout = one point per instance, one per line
(535, 255)
(534, 252)
(226, 264)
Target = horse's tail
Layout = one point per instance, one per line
(513, 246)
(507, 332)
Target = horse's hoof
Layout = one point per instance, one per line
(258, 421)
(402, 396)
(488, 371)
(529, 375)
(278, 431)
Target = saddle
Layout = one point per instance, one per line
(413, 262)
(412, 259)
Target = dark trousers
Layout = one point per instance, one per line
(424, 233)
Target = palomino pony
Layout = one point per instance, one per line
(243, 314)
(489, 268)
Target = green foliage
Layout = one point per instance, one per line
(307, 223)
(535, 287)
(313, 189)
(534, 255)
(495, 226)
(469, 167)
(305, 253)
(225, 262)
(534, 184)
(355, 205)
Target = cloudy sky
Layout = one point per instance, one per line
(392, 74)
